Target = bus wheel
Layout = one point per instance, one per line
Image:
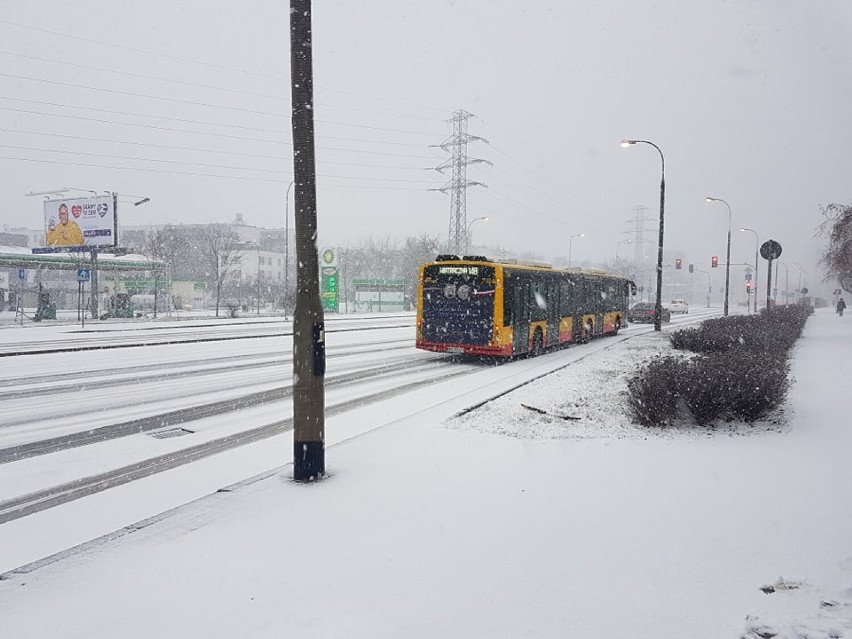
(538, 343)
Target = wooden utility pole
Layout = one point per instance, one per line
(308, 321)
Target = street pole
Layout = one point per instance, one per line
(658, 306)
(756, 249)
(571, 244)
(728, 254)
(484, 218)
(709, 287)
(768, 284)
(308, 320)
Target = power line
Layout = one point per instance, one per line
(141, 75)
(226, 152)
(222, 135)
(89, 40)
(202, 122)
(197, 174)
(159, 54)
(74, 85)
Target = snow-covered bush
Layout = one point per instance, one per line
(741, 371)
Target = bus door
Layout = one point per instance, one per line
(553, 314)
(520, 316)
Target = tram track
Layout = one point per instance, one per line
(19, 349)
(185, 416)
(63, 492)
(37, 501)
(45, 385)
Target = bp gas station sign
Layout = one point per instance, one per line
(329, 281)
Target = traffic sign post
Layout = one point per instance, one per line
(769, 250)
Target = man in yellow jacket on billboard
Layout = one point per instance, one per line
(66, 233)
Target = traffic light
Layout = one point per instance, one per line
(678, 263)
(748, 286)
(714, 261)
(691, 268)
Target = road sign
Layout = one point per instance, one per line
(83, 275)
(22, 273)
(748, 277)
(770, 250)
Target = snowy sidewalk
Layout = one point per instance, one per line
(427, 531)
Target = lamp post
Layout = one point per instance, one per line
(786, 281)
(658, 306)
(287, 246)
(709, 287)
(799, 290)
(756, 248)
(570, 245)
(728, 254)
(484, 218)
(617, 246)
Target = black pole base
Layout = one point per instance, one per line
(308, 461)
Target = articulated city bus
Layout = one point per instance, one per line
(479, 306)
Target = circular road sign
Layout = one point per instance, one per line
(770, 250)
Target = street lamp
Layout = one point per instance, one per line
(658, 307)
(484, 218)
(728, 258)
(756, 245)
(570, 245)
(799, 268)
(617, 246)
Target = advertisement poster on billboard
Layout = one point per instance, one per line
(76, 222)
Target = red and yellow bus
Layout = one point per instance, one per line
(478, 306)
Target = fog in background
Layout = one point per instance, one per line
(188, 104)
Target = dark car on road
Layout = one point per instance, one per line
(644, 312)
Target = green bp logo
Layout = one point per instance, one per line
(328, 256)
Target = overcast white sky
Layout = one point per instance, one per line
(746, 99)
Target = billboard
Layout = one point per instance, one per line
(88, 221)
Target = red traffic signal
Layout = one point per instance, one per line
(748, 284)
(678, 262)
(714, 261)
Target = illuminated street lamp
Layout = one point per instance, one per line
(658, 306)
(570, 244)
(756, 246)
(484, 218)
(728, 259)
(617, 246)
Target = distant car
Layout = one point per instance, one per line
(644, 312)
(679, 306)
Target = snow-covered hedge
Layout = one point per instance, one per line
(741, 371)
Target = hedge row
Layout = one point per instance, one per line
(740, 372)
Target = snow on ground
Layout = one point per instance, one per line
(589, 401)
(502, 523)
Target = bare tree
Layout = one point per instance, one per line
(837, 256)
(221, 251)
(416, 251)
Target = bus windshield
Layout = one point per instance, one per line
(458, 303)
